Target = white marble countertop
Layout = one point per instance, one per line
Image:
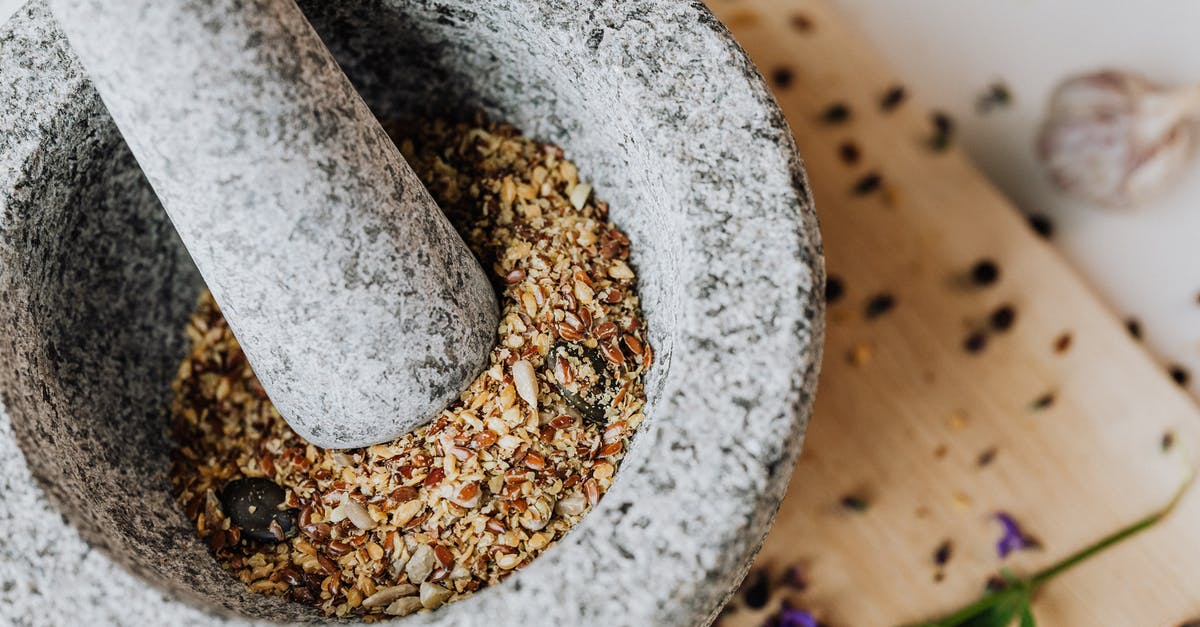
(1143, 262)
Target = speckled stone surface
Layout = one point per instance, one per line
(657, 106)
(362, 311)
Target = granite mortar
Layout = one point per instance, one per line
(653, 99)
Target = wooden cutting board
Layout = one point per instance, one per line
(905, 412)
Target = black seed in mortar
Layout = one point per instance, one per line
(580, 374)
(253, 504)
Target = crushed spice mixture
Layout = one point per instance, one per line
(501, 474)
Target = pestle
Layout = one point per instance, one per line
(359, 307)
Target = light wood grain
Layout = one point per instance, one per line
(1072, 472)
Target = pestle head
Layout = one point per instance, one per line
(360, 308)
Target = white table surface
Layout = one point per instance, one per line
(1145, 263)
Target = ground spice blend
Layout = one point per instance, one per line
(501, 474)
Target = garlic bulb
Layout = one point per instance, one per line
(1117, 138)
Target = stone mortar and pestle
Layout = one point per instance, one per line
(141, 161)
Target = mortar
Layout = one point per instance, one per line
(658, 107)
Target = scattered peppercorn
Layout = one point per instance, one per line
(1179, 374)
(782, 77)
(1063, 343)
(986, 457)
(1042, 402)
(893, 97)
(879, 304)
(854, 503)
(758, 589)
(802, 23)
(1003, 318)
(943, 131)
(985, 272)
(867, 184)
(1041, 225)
(942, 554)
(1168, 441)
(1134, 327)
(995, 96)
(793, 577)
(834, 288)
(836, 113)
(975, 342)
(849, 153)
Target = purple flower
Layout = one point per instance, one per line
(795, 617)
(789, 616)
(1014, 539)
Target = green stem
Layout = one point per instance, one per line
(1141, 525)
(963, 614)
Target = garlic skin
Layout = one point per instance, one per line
(1115, 137)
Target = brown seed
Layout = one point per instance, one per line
(319, 532)
(591, 489)
(267, 462)
(563, 372)
(633, 344)
(484, 439)
(514, 276)
(606, 330)
(337, 548)
(435, 477)
(562, 422)
(567, 332)
(609, 450)
(614, 296)
(535, 461)
(468, 492)
(495, 526)
(612, 353)
(443, 555)
(290, 576)
(327, 564)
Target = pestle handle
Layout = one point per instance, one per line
(360, 308)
